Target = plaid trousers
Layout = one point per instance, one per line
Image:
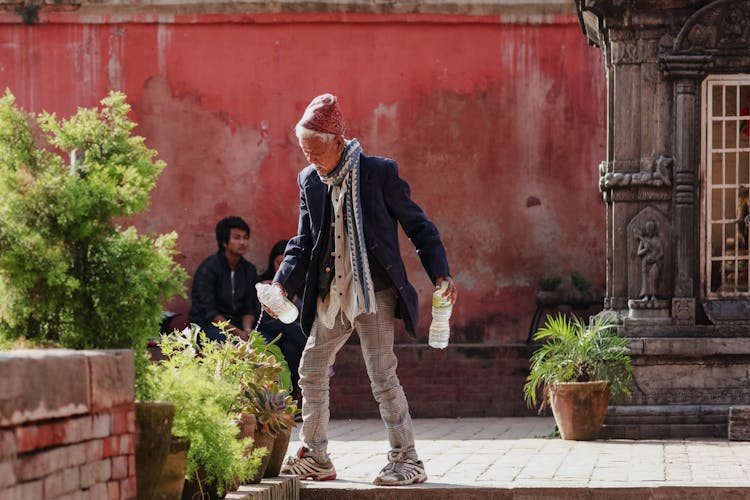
(376, 339)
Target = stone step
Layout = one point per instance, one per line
(444, 492)
(288, 488)
(275, 488)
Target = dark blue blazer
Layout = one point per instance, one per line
(386, 202)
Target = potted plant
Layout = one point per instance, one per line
(274, 412)
(201, 378)
(577, 369)
(224, 451)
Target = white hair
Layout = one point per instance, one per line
(306, 133)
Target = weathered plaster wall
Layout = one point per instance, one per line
(497, 122)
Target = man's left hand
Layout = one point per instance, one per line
(451, 291)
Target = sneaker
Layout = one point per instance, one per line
(401, 471)
(305, 467)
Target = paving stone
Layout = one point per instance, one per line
(513, 459)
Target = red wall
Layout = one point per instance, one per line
(498, 127)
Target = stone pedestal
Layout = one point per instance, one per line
(739, 423)
(648, 310)
(682, 386)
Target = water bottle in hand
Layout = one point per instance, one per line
(441, 314)
(275, 300)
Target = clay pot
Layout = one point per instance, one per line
(262, 440)
(278, 454)
(173, 473)
(153, 423)
(579, 409)
(247, 425)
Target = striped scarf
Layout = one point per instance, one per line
(348, 171)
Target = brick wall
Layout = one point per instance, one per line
(461, 381)
(67, 425)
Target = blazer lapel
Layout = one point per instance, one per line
(316, 200)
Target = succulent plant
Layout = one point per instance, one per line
(272, 406)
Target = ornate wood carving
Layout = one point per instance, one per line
(683, 311)
(722, 25)
(658, 174)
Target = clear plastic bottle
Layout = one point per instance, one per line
(274, 299)
(441, 314)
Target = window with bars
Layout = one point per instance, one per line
(726, 178)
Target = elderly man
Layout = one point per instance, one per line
(346, 261)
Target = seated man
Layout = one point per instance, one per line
(224, 284)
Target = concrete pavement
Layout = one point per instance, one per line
(477, 458)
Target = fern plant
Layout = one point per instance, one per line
(578, 352)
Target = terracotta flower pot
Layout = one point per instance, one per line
(278, 454)
(247, 425)
(262, 440)
(579, 408)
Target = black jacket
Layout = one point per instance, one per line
(212, 290)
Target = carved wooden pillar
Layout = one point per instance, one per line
(687, 73)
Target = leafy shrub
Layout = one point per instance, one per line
(70, 273)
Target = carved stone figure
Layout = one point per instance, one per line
(732, 26)
(658, 174)
(651, 252)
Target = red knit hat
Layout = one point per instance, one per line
(323, 114)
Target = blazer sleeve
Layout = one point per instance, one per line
(420, 230)
(293, 268)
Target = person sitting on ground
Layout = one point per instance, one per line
(292, 340)
(224, 284)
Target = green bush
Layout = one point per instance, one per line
(71, 273)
